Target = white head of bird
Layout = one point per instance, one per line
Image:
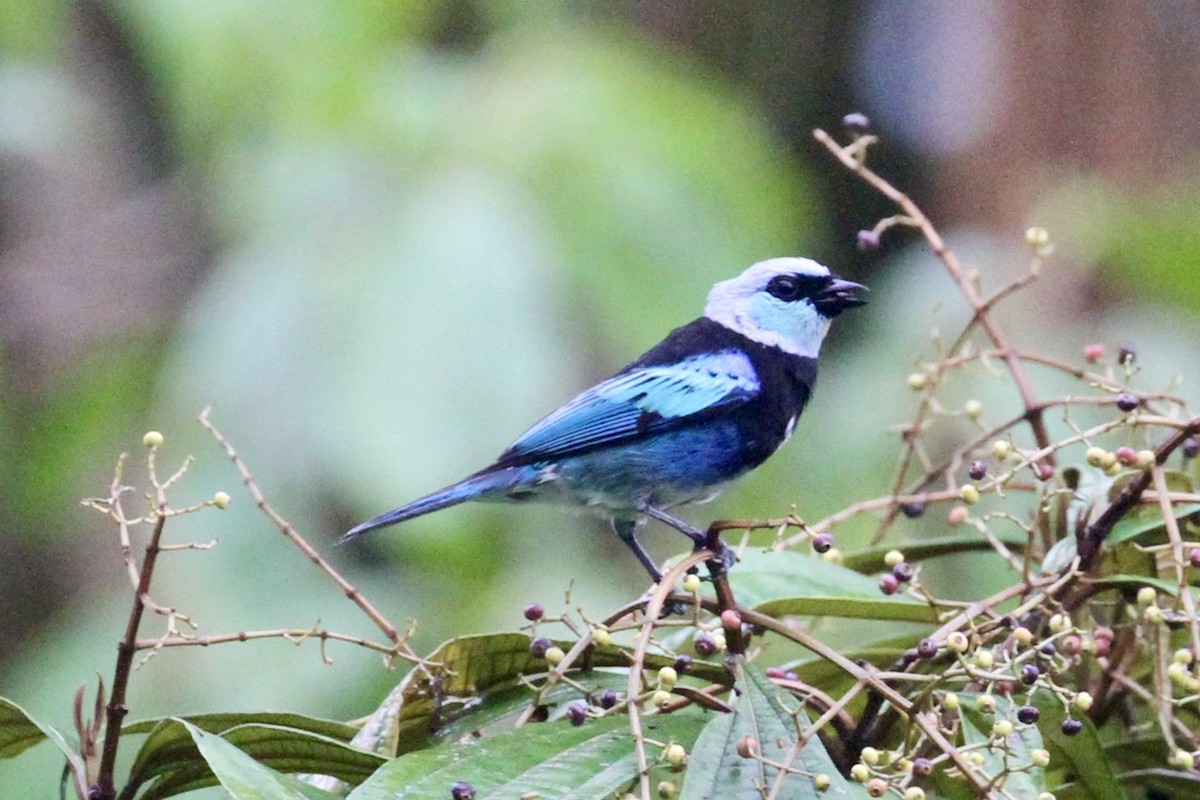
(781, 302)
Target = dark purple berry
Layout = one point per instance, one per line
(903, 571)
(1071, 727)
(856, 122)
(822, 542)
(1191, 447)
(922, 767)
(977, 470)
(461, 790)
(534, 612)
(539, 646)
(1128, 401)
(704, 645)
(577, 712)
(913, 510)
(540, 713)
(1029, 674)
(683, 664)
(927, 648)
(889, 583)
(608, 699)
(1028, 714)
(1194, 557)
(1126, 353)
(868, 241)
(1047, 650)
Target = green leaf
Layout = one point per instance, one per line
(243, 777)
(867, 561)
(18, 730)
(1024, 740)
(1137, 526)
(761, 711)
(1086, 762)
(170, 762)
(215, 723)
(887, 609)
(760, 577)
(586, 762)
(471, 666)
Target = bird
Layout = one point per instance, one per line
(708, 404)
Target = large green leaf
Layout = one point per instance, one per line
(18, 730)
(223, 721)
(872, 559)
(247, 779)
(561, 761)
(170, 762)
(760, 577)
(716, 770)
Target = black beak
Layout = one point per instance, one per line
(838, 296)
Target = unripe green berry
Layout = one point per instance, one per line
(870, 756)
(984, 659)
(667, 676)
(221, 500)
(152, 439)
(1178, 673)
(601, 636)
(554, 655)
(1183, 759)
(1183, 656)
(973, 409)
(1002, 727)
(976, 758)
(969, 493)
(666, 790)
(833, 556)
(1059, 623)
(916, 381)
(950, 701)
(1146, 596)
(985, 703)
(822, 782)
(1083, 701)
(675, 755)
(860, 772)
(1040, 757)
(1112, 469)
(691, 583)
(1095, 455)
(660, 698)
(1154, 614)
(893, 557)
(1002, 449)
(958, 642)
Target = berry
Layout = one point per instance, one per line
(534, 612)
(985, 703)
(608, 699)
(913, 510)
(822, 542)
(1043, 471)
(1183, 656)
(747, 746)
(1071, 727)
(1103, 633)
(877, 787)
(893, 557)
(601, 636)
(869, 756)
(461, 790)
(822, 782)
(1126, 455)
(1059, 623)
(539, 646)
(683, 664)
(667, 790)
(577, 712)
(1126, 353)
(903, 571)
(927, 648)
(1002, 449)
(1028, 715)
(914, 793)
(916, 381)
(1145, 459)
(1191, 447)
(554, 656)
(1037, 237)
(1039, 757)
(775, 673)
(1146, 596)
(889, 583)
(667, 676)
(1128, 401)
(973, 409)
(957, 515)
(675, 755)
(152, 439)
(1071, 645)
(868, 241)
(1083, 701)
(1093, 352)
(957, 641)
(221, 500)
(922, 767)
(1047, 650)
(984, 659)
(1194, 557)
(731, 620)
(540, 713)
(691, 583)
(856, 122)
(1095, 456)
(1002, 728)
(950, 701)
(1023, 635)
(1182, 758)
(969, 493)
(860, 772)
(660, 698)
(977, 470)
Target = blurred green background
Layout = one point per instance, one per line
(384, 237)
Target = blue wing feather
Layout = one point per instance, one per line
(642, 400)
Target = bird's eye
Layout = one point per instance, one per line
(790, 288)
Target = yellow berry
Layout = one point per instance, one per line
(950, 701)
(984, 659)
(1095, 455)
(1002, 727)
(554, 655)
(221, 500)
(675, 755)
(1154, 614)
(976, 758)
(1113, 468)
(1046, 796)
(1037, 237)
(666, 790)
(916, 381)
(601, 636)
(1184, 759)
(969, 494)
(667, 677)
(1002, 449)
(914, 793)
(893, 557)
(1146, 596)
(1183, 656)
(958, 642)
(1040, 757)
(822, 782)
(973, 409)
(1083, 701)
(869, 755)
(985, 703)
(719, 641)
(833, 556)
(1059, 623)
(860, 772)
(1178, 673)
(691, 583)
(152, 439)
(1145, 459)
(1023, 635)
(660, 698)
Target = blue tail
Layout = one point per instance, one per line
(475, 487)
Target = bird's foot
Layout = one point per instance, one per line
(720, 565)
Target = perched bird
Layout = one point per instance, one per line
(709, 403)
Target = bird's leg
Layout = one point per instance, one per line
(624, 529)
(717, 566)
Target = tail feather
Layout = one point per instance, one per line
(475, 487)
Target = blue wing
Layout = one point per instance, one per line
(640, 401)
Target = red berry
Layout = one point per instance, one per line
(1093, 352)
(776, 672)
(1043, 471)
(1194, 557)
(534, 612)
(1125, 455)
(868, 241)
(889, 583)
